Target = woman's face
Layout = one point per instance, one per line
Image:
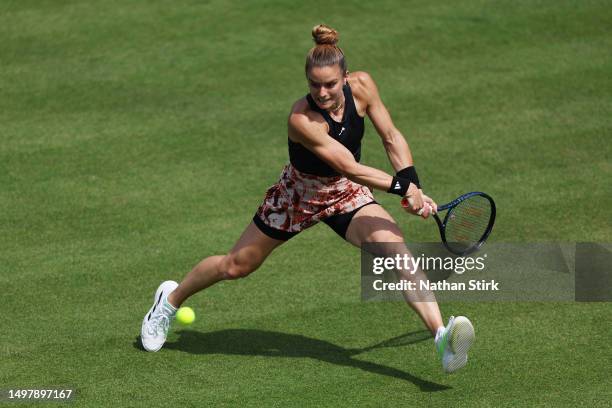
(325, 85)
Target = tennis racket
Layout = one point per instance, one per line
(467, 224)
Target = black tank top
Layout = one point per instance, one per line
(349, 132)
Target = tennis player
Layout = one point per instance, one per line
(324, 181)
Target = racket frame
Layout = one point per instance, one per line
(449, 207)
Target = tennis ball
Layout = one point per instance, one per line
(185, 315)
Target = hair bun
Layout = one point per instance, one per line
(323, 34)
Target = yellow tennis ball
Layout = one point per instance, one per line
(185, 315)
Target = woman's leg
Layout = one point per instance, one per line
(245, 257)
(249, 252)
(373, 224)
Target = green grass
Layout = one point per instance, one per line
(138, 137)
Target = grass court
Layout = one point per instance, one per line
(138, 137)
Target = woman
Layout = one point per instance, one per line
(324, 182)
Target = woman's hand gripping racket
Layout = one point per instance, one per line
(467, 224)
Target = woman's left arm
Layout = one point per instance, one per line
(394, 142)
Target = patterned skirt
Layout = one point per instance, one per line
(299, 200)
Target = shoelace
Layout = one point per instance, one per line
(159, 324)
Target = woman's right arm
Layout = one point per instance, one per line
(310, 130)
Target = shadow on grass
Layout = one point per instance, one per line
(275, 344)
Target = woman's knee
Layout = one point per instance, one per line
(383, 235)
(233, 267)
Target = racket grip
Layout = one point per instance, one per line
(406, 204)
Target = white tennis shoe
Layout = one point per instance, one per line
(454, 342)
(156, 322)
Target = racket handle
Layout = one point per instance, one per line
(406, 204)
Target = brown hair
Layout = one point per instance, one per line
(325, 52)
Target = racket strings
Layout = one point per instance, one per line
(468, 222)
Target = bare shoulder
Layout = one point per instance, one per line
(363, 88)
(361, 82)
(301, 112)
(300, 106)
(303, 120)
(360, 78)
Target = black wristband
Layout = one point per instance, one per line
(410, 174)
(399, 186)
